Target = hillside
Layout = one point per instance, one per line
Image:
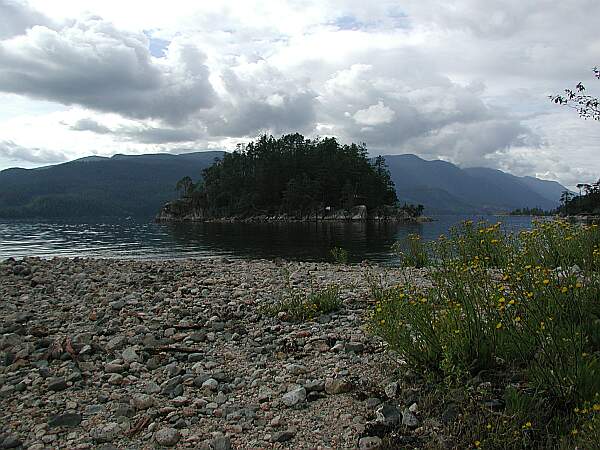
(122, 185)
(444, 188)
(128, 185)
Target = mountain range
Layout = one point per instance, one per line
(444, 188)
(138, 185)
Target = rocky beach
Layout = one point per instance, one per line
(125, 354)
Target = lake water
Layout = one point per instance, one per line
(143, 239)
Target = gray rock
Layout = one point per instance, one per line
(117, 305)
(129, 355)
(114, 368)
(355, 347)
(391, 390)
(282, 436)
(57, 384)
(211, 384)
(409, 419)
(167, 437)
(220, 443)
(337, 386)
(369, 443)
(11, 441)
(115, 378)
(142, 401)
(65, 420)
(388, 415)
(294, 396)
(105, 433)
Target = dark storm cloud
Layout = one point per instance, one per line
(152, 135)
(91, 63)
(89, 125)
(11, 151)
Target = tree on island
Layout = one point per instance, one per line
(185, 186)
(295, 176)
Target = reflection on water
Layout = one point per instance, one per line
(120, 238)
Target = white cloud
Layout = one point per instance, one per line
(374, 115)
(465, 81)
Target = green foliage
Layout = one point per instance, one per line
(339, 255)
(299, 306)
(586, 105)
(522, 309)
(412, 251)
(297, 176)
(587, 202)
(531, 212)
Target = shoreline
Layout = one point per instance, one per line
(136, 353)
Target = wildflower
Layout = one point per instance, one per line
(527, 426)
(574, 431)
(489, 426)
(546, 281)
(564, 289)
(578, 285)
(382, 321)
(528, 266)
(511, 302)
(498, 325)
(596, 407)
(477, 444)
(517, 319)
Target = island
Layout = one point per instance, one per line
(291, 178)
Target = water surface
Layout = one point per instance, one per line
(143, 239)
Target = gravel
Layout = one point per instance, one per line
(107, 354)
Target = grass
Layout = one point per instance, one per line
(518, 312)
(339, 255)
(298, 306)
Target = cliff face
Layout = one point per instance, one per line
(183, 210)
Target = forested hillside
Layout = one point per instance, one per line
(118, 186)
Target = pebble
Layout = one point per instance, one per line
(183, 346)
(295, 396)
(167, 437)
(369, 443)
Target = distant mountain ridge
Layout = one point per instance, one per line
(138, 185)
(444, 188)
(122, 185)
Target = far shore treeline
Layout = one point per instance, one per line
(292, 175)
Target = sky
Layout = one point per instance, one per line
(465, 81)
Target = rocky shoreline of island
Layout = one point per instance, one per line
(109, 354)
(182, 210)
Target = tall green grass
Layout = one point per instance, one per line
(523, 309)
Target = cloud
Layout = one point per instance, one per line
(17, 17)
(88, 124)
(139, 133)
(374, 115)
(154, 135)
(93, 64)
(465, 81)
(260, 98)
(11, 151)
